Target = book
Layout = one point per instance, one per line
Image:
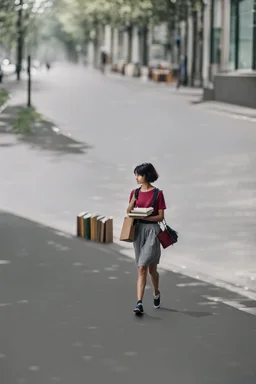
(79, 223)
(109, 230)
(141, 212)
(87, 226)
(102, 230)
(99, 219)
(93, 226)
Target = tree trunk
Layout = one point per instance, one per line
(20, 37)
(186, 32)
(112, 47)
(120, 45)
(193, 70)
(145, 46)
(96, 47)
(201, 63)
(169, 48)
(130, 37)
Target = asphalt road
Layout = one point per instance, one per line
(66, 317)
(206, 163)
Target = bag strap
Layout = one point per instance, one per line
(155, 197)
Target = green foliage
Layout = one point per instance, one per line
(26, 120)
(3, 96)
(72, 21)
(78, 17)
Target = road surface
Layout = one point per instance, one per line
(206, 162)
(66, 316)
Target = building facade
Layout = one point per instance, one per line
(230, 51)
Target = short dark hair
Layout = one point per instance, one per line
(147, 170)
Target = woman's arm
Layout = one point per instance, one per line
(131, 205)
(156, 219)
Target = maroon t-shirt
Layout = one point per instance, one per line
(145, 200)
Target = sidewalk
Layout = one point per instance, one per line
(235, 111)
(66, 315)
(10, 83)
(44, 135)
(193, 96)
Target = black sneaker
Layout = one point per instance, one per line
(139, 309)
(157, 300)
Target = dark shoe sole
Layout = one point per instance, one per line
(138, 313)
(159, 301)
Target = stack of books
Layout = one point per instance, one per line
(92, 226)
(141, 212)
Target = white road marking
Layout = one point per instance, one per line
(238, 303)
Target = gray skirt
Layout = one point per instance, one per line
(146, 244)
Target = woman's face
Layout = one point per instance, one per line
(139, 179)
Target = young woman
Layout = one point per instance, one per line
(146, 244)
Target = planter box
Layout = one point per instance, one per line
(162, 75)
(236, 88)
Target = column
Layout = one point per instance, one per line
(90, 54)
(107, 38)
(206, 44)
(125, 46)
(254, 37)
(135, 45)
(115, 46)
(225, 38)
(190, 45)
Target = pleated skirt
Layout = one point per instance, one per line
(146, 244)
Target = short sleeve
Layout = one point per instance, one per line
(131, 195)
(161, 201)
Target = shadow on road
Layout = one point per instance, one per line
(188, 313)
(44, 136)
(66, 311)
(196, 102)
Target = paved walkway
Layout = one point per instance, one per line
(66, 317)
(206, 162)
(194, 96)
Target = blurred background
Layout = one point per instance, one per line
(206, 43)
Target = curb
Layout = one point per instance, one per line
(196, 275)
(200, 102)
(236, 115)
(127, 250)
(5, 105)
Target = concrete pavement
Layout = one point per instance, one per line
(66, 317)
(206, 162)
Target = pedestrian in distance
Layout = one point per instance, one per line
(146, 244)
(103, 61)
(182, 72)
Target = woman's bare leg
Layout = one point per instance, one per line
(141, 282)
(154, 277)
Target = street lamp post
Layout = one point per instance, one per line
(29, 81)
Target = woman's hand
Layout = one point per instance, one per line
(155, 219)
